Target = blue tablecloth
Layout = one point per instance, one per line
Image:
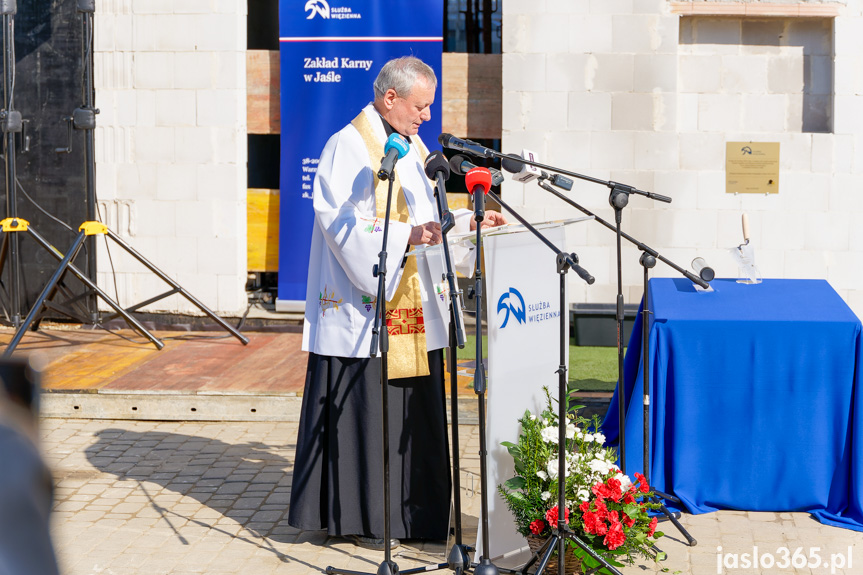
(756, 398)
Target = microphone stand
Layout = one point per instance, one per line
(618, 199)
(457, 559)
(647, 260)
(561, 533)
(380, 341)
(485, 566)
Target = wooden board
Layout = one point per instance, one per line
(262, 213)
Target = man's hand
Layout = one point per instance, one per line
(492, 220)
(427, 233)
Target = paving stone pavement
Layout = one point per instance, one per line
(151, 498)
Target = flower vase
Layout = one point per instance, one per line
(572, 564)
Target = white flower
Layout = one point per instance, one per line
(542, 475)
(588, 437)
(532, 417)
(599, 438)
(600, 466)
(549, 435)
(625, 481)
(570, 430)
(552, 469)
(583, 494)
(546, 495)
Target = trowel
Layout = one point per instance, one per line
(744, 255)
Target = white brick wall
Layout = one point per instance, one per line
(651, 101)
(171, 147)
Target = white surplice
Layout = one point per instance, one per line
(347, 238)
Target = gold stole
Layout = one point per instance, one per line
(407, 355)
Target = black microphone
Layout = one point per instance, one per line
(437, 168)
(461, 165)
(472, 148)
(396, 148)
(703, 270)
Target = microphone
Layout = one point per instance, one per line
(437, 168)
(524, 173)
(478, 181)
(472, 148)
(703, 270)
(461, 166)
(395, 149)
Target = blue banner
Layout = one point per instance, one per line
(331, 52)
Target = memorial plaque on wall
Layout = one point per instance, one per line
(47, 89)
(752, 167)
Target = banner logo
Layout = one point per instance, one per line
(511, 301)
(317, 7)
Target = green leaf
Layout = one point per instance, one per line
(516, 483)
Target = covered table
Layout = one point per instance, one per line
(756, 398)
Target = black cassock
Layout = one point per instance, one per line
(338, 472)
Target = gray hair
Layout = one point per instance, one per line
(401, 74)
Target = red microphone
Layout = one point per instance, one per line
(478, 181)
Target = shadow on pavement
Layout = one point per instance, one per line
(249, 483)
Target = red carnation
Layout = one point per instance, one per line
(615, 537)
(652, 527)
(593, 524)
(552, 515)
(601, 510)
(584, 507)
(628, 498)
(614, 491)
(601, 491)
(629, 521)
(537, 527)
(643, 487)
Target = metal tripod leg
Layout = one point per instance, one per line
(177, 287)
(49, 289)
(86, 281)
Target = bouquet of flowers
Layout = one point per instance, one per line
(604, 507)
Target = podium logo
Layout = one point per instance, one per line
(317, 7)
(511, 302)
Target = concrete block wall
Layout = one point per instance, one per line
(629, 91)
(171, 148)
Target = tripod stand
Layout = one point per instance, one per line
(11, 123)
(83, 118)
(560, 533)
(647, 261)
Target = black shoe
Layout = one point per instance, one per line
(372, 543)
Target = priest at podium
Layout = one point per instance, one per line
(338, 473)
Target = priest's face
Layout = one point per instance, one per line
(405, 113)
